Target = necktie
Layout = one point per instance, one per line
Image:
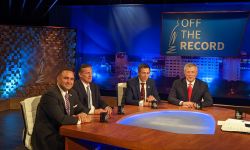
(189, 91)
(142, 93)
(67, 104)
(89, 96)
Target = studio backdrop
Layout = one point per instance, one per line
(30, 58)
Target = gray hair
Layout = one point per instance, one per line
(189, 65)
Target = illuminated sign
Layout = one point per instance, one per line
(203, 34)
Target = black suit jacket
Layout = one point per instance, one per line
(132, 93)
(51, 114)
(200, 91)
(95, 92)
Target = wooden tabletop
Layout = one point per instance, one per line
(132, 137)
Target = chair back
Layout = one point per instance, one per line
(29, 107)
(121, 87)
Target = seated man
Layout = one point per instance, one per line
(89, 93)
(58, 106)
(190, 91)
(141, 90)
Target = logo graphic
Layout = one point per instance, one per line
(172, 38)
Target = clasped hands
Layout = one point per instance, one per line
(83, 117)
(191, 105)
(149, 100)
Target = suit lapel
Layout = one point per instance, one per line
(195, 88)
(71, 101)
(84, 96)
(184, 88)
(82, 87)
(60, 97)
(148, 88)
(138, 87)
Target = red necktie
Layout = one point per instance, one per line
(189, 91)
(67, 104)
(142, 93)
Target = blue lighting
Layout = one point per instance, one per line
(17, 70)
(182, 122)
(135, 30)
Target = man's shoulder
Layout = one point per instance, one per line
(132, 80)
(94, 85)
(77, 83)
(151, 80)
(52, 92)
(200, 82)
(181, 80)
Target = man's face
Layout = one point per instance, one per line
(144, 74)
(191, 73)
(86, 75)
(66, 80)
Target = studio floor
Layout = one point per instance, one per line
(11, 126)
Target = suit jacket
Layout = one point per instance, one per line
(200, 91)
(95, 92)
(51, 114)
(132, 93)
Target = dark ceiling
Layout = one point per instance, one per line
(35, 12)
(102, 2)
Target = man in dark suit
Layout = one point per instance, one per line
(58, 106)
(141, 90)
(89, 93)
(190, 91)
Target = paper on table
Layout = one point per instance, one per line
(235, 125)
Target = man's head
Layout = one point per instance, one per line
(190, 71)
(65, 79)
(143, 72)
(85, 73)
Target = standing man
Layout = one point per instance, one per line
(141, 90)
(58, 106)
(89, 93)
(189, 91)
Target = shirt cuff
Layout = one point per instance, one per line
(92, 110)
(107, 107)
(141, 103)
(79, 122)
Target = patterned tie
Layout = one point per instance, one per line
(189, 91)
(142, 93)
(89, 96)
(67, 104)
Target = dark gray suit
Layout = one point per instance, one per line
(95, 92)
(51, 114)
(179, 92)
(132, 93)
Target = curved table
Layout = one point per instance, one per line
(133, 137)
(175, 121)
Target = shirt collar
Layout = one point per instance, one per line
(85, 84)
(141, 81)
(191, 82)
(62, 91)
